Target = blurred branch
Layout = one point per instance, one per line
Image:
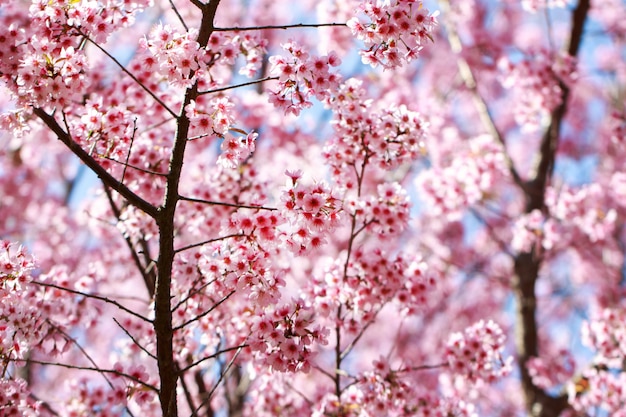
(528, 264)
(481, 105)
(147, 273)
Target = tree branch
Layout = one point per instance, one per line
(528, 264)
(95, 297)
(221, 203)
(146, 272)
(469, 80)
(280, 27)
(168, 372)
(231, 87)
(88, 160)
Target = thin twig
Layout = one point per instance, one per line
(230, 87)
(131, 75)
(481, 105)
(133, 339)
(221, 203)
(213, 356)
(95, 297)
(182, 21)
(217, 239)
(145, 271)
(98, 169)
(127, 165)
(349, 348)
(198, 317)
(130, 148)
(82, 350)
(270, 27)
(87, 368)
(219, 381)
(191, 293)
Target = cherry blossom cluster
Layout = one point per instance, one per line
(10, 40)
(271, 394)
(284, 337)
(373, 278)
(49, 77)
(382, 393)
(606, 334)
(534, 231)
(312, 211)
(177, 55)
(585, 209)
(301, 77)
(393, 32)
(182, 60)
(229, 46)
(536, 82)
(96, 19)
(387, 213)
(534, 6)
(418, 287)
(21, 323)
(15, 399)
(476, 353)
(105, 131)
(240, 264)
(552, 371)
(111, 401)
(15, 267)
(236, 149)
(469, 178)
(600, 390)
(618, 130)
(387, 137)
(50, 65)
(97, 401)
(213, 118)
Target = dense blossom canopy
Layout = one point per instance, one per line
(315, 208)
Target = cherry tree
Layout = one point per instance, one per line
(327, 208)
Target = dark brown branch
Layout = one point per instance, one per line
(168, 372)
(550, 140)
(88, 160)
(182, 21)
(528, 264)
